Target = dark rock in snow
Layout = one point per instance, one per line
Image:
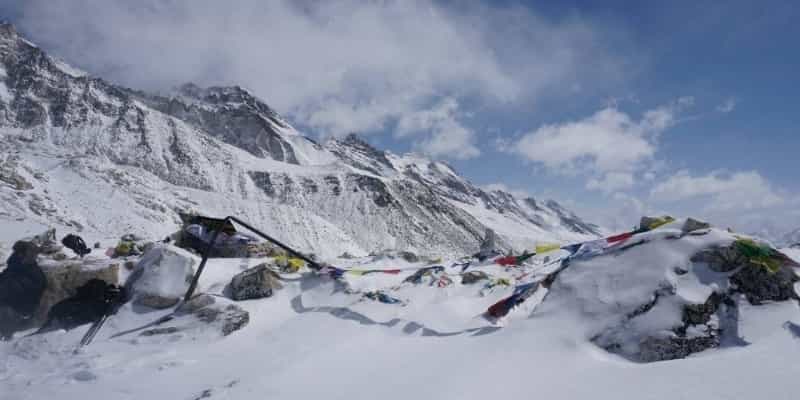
(254, 283)
(721, 259)
(671, 348)
(760, 285)
(216, 311)
(692, 224)
(473, 276)
(409, 256)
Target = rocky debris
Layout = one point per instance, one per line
(161, 277)
(392, 254)
(263, 249)
(721, 258)
(217, 311)
(760, 285)
(125, 249)
(654, 349)
(11, 177)
(66, 276)
(692, 224)
(97, 245)
(473, 276)
(698, 331)
(488, 243)
(409, 256)
(131, 237)
(254, 283)
(131, 245)
(758, 282)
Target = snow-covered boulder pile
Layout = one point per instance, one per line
(161, 277)
(670, 292)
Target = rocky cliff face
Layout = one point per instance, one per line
(84, 153)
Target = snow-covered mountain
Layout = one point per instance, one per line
(790, 239)
(90, 156)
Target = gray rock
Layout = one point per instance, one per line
(156, 301)
(698, 331)
(488, 244)
(760, 285)
(131, 237)
(196, 303)
(254, 283)
(692, 224)
(9, 174)
(473, 276)
(217, 311)
(66, 276)
(409, 256)
(672, 348)
(721, 259)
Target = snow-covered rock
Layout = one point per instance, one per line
(161, 277)
(666, 294)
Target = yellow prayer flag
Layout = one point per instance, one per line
(545, 248)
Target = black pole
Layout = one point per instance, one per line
(295, 253)
(206, 252)
(193, 286)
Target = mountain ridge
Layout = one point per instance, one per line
(222, 150)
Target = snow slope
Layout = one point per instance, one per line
(319, 338)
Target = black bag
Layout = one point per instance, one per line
(76, 244)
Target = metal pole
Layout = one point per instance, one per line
(206, 252)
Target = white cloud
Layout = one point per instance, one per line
(611, 182)
(746, 190)
(448, 136)
(337, 67)
(728, 105)
(608, 141)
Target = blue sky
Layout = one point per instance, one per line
(614, 108)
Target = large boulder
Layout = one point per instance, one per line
(721, 258)
(64, 277)
(161, 277)
(760, 285)
(691, 225)
(753, 279)
(254, 283)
